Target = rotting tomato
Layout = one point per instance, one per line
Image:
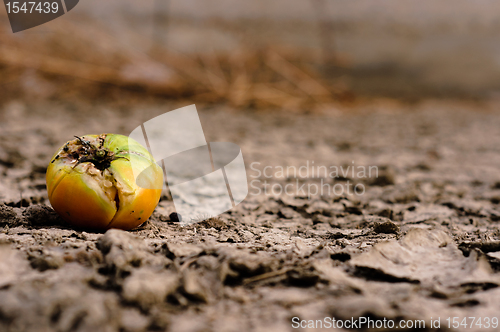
(91, 182)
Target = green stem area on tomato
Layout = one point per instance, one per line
(92, 151)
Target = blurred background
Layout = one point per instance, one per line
(303, 55)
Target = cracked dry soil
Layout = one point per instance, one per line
(421, 242)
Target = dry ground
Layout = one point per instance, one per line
(421, 242)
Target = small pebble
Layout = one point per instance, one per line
(175, 217)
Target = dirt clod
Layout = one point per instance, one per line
(7, 215)
(387, 227)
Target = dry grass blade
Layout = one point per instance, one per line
(266, 276)
(51, 65)
(295, 75)
(214, 74)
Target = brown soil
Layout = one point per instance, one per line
(421, 242)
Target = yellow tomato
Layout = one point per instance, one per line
(91, 182)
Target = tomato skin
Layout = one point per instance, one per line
(103, 194)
